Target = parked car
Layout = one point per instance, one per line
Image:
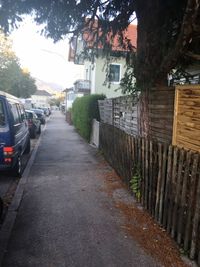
(46, 111)
(14, 133)
(34, 123)
(40, 114)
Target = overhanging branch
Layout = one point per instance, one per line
(184, 38)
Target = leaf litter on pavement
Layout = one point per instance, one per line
(151, 237)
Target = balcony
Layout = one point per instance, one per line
(82, 86)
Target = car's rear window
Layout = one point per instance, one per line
(2, 115)
(29, 115)
(39, 115)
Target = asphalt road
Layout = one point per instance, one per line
(65, 219)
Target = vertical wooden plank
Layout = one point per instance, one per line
(163, 181)
(130, 156)
(123, 154)
(175, 116)
(121, 151)
(139, 163)
(118, 151)
(115, 145)
(196, 222)
(191, 202)
(150, 176)
(133, 157)
(172, 187)
(158, 181)
(183, 197)
(139, 151)
(154, 177)
(128, 159)
(177, 194)
(135, 151)
(146, 172)
(143, 172)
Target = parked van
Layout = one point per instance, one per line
(14, 133)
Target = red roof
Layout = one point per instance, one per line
(130, 33)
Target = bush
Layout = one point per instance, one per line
(84, 110)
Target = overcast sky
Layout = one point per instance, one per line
(44, 59)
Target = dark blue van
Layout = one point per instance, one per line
(14, 134)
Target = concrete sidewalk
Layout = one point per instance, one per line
(66, 217)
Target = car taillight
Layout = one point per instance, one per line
(8, 151)
(8, 160)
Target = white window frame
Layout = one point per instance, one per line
(120, 66)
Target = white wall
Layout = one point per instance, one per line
(97, 75)
(40, 101)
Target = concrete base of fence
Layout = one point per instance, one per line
(94, 140)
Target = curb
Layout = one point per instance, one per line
(11, 215)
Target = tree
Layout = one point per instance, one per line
(12, 78)
(168, 30)
(6, 54)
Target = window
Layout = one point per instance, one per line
(15, 113)
(29, 115)
(114, 73)
(21, 112)
(2, 115)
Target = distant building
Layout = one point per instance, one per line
(80, 88)
(27, 103)
(41, 99)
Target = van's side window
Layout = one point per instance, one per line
(15, 113)
(22, 113)
(2, 115)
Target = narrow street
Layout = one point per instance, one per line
(66, 217)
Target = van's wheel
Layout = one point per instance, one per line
(28, 147)
(17, 169)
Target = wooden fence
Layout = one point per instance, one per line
(168, 182)
(161, 113)
(125, 113)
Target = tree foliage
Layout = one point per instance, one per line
(12, 78)
(168, 30)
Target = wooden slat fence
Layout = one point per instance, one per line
(168, 182)
(161, 113)
(106, 110)
(125, 113)
(122, 112)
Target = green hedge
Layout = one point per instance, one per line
(84, 110)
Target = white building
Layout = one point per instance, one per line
(104, 77)
(41, 99)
